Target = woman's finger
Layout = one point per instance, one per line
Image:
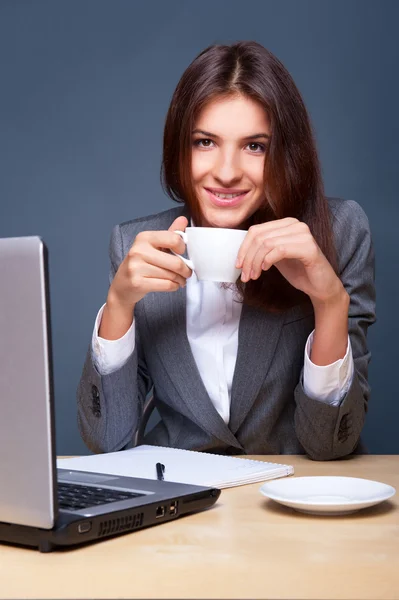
(159, 285)
(260, 243)
(158, 239)
(260, 231)
(149, 271)
(179, 224)
(297, 242)
(261, 240)
(164, 260)
(299, 247)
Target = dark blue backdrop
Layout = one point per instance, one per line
(85, 85)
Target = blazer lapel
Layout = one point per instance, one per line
(166, 319)
(258, 336)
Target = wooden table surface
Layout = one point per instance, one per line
(244, 547)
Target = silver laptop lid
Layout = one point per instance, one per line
(27, 461)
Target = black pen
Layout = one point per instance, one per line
(160, 471)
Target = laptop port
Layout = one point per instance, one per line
(173, 508)
(160, 512)
(84, 527)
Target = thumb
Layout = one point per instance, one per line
(179, 224)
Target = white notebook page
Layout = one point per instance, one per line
(183, 466)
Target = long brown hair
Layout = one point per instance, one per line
(292, 170)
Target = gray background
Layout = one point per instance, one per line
(85, 86)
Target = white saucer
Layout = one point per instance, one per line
(327, 495)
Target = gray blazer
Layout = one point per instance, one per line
(270, 412)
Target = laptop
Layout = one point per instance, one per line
(42, 506)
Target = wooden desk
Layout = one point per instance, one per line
(244, 547)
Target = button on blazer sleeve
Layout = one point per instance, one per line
(327, 432)
(107, 415)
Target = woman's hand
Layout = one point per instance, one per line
(289, 245)
(146, 268)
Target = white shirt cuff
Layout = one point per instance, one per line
(111, 355)
(327, 383)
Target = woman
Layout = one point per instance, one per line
(276, 363)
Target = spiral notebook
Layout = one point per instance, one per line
(182, 466)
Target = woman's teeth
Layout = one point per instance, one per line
(227, 196)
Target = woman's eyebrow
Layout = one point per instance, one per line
(255, 136)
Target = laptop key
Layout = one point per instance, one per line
(78, 497)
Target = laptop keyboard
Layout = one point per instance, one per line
(77, 497)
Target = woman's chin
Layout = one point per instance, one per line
(223, 225)
(222, 221)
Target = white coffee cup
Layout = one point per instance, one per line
(213, 252)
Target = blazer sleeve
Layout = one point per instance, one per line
(327, 432)
(110, 407)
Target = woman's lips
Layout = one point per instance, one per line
(226, 202)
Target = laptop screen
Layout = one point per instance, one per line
(27, 451)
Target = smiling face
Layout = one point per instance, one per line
(228, 154)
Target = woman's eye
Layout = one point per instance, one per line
(259, 148)
(203, 143)
(254, 147)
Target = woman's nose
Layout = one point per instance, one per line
(227, 169)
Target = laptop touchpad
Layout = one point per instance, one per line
(81, 477)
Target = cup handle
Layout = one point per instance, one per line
(188, 262)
